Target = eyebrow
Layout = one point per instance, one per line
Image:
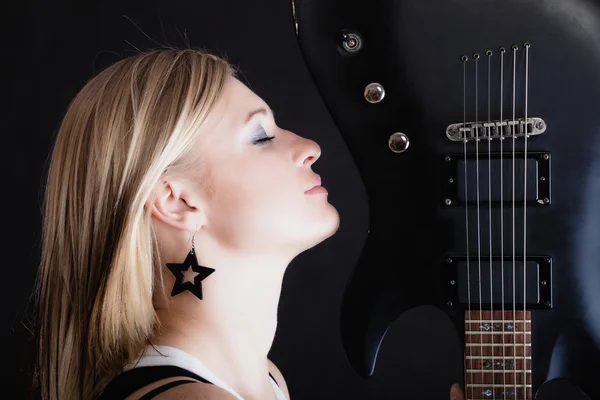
(261, 110)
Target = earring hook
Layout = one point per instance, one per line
(193, 237)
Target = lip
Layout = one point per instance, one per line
(315, 183)
(317, 190)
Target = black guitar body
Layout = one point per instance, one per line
(424, 220)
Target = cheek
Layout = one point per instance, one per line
(253, 208)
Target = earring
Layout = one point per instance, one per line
(189, 274)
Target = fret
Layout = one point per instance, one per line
(490, 372)
(498, 355)
(499, 351)
(487, 325)
(492, 332)
(501, 378)
(497, 315)
(478, 344)
(518, 357)
(509, 392)
(496, 326)
(498, 338)
(508, 363)
(499, 386)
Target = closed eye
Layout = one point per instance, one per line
(263, 139)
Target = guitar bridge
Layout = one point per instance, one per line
(504, 129)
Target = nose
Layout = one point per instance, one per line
(309, 152)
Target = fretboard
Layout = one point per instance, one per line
(498, 355)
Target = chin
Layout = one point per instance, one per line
(336, 221)
(328, 224)
(319, 228)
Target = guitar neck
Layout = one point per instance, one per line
(498, 355)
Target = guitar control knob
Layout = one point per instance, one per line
(351, 41)
(374, 92)
(398, 142)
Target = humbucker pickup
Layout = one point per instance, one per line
(507, 128)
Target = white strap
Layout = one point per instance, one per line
(167, 355)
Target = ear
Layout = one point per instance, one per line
(177, 205)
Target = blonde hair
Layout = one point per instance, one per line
(130, 125)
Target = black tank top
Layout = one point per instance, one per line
(129, 381)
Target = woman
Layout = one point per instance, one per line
(165, 160)
(156, 148)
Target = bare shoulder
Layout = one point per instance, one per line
(279, 378)
(196, 391)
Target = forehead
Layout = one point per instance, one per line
(237, 92)
(230, 111)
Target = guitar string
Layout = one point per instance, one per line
(513, 132)
(469, 375)
(476, 56)
(502, 50)
(489, 135)
(525, 222)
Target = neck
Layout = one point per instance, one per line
(232, 328)
(498, 354)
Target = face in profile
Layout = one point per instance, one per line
(258, 175)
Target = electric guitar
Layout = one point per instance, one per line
(475, 126)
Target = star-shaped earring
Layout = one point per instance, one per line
(189, 275)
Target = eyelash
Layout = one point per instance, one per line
(265, 140)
